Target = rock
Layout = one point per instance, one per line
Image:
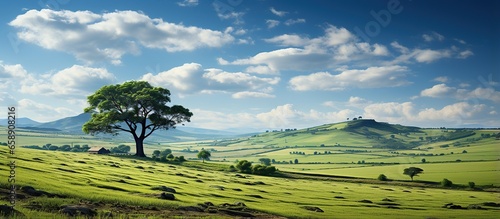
(75, 210)
(491, 204)
(387, 200)
(167, 196)
(164, 188)
(339, 197)
(8, 211)
(191, 208)
(478, 207)
(31, 191)
(239, 204)
(447, 205)
(313, 208)
(365, 201)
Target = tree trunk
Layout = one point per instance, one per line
(139, 147)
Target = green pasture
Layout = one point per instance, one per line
(482, 173)
(110, 179)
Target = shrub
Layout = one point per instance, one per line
(382, 177)
(446, 183)
(472, 185)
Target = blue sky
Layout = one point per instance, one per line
(241, 64)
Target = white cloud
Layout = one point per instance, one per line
(229, 81)
(226, 12)
(290, 22)
(278, 13)
(457, 114)
(185, 78)
(249, 94)
(108, 36)
(74, 81)
(373, 77)
(429, 55)
(289, 40)
(336, 46)
(442, 91)
(442, 79)
(260, 69)
(357, 102)
(465, 54)
(192, 78)
(11, 75)
(426, 55)
(432, 37)
(272, 23)
(188, 3)
(439, 90)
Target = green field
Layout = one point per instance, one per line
(110, 179)
(337, 170)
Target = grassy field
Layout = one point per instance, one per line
(111, 180)
(364, 150)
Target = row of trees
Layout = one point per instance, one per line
(66, 147)
(245, 166)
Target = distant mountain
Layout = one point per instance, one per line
(22, 122)
(73, 125)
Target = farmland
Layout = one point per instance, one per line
(336, 171)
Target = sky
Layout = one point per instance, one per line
(260, 64)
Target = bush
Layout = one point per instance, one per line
(382, 177)
(472, 185)
(446, 183)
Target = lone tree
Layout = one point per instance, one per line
(265, 161)
(204, 155)
(135, 107)
(412, 171)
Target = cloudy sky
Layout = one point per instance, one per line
(245, 64)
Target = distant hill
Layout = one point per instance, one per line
(358, 133)
(22, 122)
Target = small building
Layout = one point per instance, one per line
(98, 150)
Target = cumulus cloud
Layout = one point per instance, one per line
(373, 77)
(457, 114)
(93, 37)
(186, 78)
(337, 45)
(427, 55)
(73, 81)
(443, 90)
(191, 78)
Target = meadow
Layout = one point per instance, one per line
(335, 176)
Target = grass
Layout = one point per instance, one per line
(129, 180)
(278, 196)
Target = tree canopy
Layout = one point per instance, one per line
(134, 107)
(204, 155)
(412, 171)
